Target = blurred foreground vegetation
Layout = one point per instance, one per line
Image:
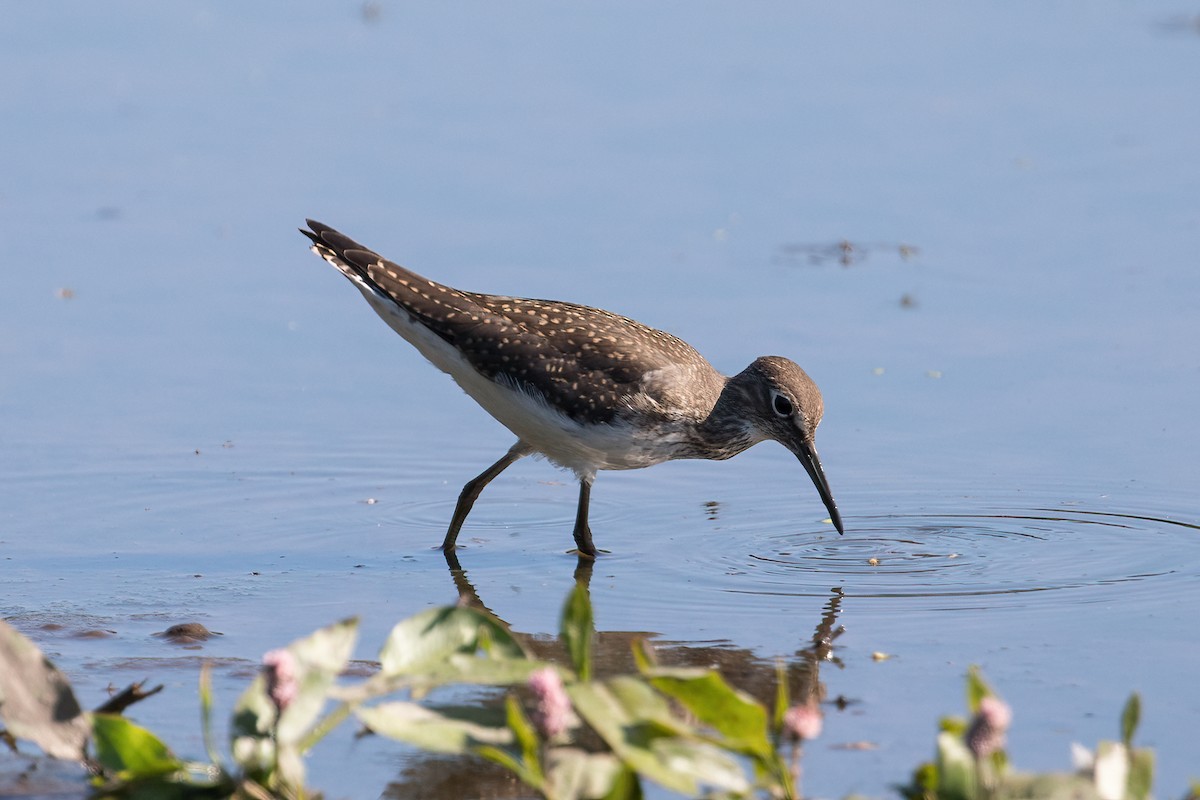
(561, 730)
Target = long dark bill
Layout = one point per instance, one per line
(808, 457)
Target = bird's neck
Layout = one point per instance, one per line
(727, 429)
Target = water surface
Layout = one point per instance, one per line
(975, 227)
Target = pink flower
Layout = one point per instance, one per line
(803, 722)
(279, 668)
(986, 734)
(552, 714)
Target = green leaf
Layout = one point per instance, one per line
(704, 762)
(1045, 786)
(526, 736)
(1141, 773)
(643, 656)
(956, 772)
(573, 773)
(206, 706)
(254, 713)
(621, 721)
(511, 763)
(954, 725)
(626, 786)
(999, 762)
(459, 668)
(521, 757)
(421, 645)
(636, 723)
(454, 729)
(319, 658)
(735, 715)
(924, 783)
(129, 751)
(36, 701)
(1130, 716)
(577, 630)
(977, 688)
(782, 695)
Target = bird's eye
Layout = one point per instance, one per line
(783, 406)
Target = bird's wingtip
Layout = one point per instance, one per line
(316, 226)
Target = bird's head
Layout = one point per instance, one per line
(785, 405)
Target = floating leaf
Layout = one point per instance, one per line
(577, 630)
(36, 701)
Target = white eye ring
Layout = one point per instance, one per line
(782, 406)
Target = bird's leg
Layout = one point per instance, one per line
(583, 533)
(471, 491)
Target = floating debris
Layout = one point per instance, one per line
(862, 744)
(844, 252)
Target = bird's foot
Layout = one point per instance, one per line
(583, 541)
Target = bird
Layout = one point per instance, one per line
(587, 389)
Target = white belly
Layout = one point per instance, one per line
(584, 449)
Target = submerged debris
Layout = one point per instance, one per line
(187, 633)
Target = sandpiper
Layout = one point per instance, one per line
(586, 388)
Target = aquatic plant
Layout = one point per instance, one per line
(971, 763)
(561, 730)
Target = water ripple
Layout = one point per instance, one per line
(976, 555)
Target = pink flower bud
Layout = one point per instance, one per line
(279, 668)
(552, 714)
(803, 722)
(986, 734)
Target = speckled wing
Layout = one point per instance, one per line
(584, 361)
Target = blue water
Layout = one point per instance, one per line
(194, 411)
